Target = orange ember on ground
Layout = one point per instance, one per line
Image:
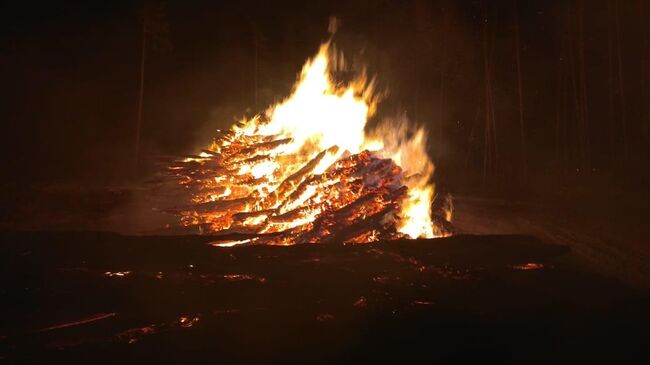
(307, 171)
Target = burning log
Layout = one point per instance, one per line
(262, 147)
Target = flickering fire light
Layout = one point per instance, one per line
(309, 171)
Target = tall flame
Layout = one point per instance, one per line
(406, 145)
(318, 113)
(321, 122)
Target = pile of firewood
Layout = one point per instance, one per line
(252, 185)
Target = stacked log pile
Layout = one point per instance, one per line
(254, 185)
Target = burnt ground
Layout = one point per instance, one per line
(538, 283)
(102, 297)
(607, 230)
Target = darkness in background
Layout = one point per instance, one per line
(70, 75)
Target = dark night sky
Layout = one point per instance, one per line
(70, 80)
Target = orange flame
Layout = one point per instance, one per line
(312, 133)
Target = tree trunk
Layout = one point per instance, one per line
(610, 73)
(490, 157)
(522, 128)
(621, 89)
(443, 57)
(584, 145)
(138, 126)
(645, 123)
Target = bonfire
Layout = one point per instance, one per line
(308, 170)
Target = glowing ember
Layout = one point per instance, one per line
(307, 171)
(117, 274)
(529, 266)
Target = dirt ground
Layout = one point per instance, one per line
(108, 298)
(558, 278)
(608, 237)
(607, 232)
